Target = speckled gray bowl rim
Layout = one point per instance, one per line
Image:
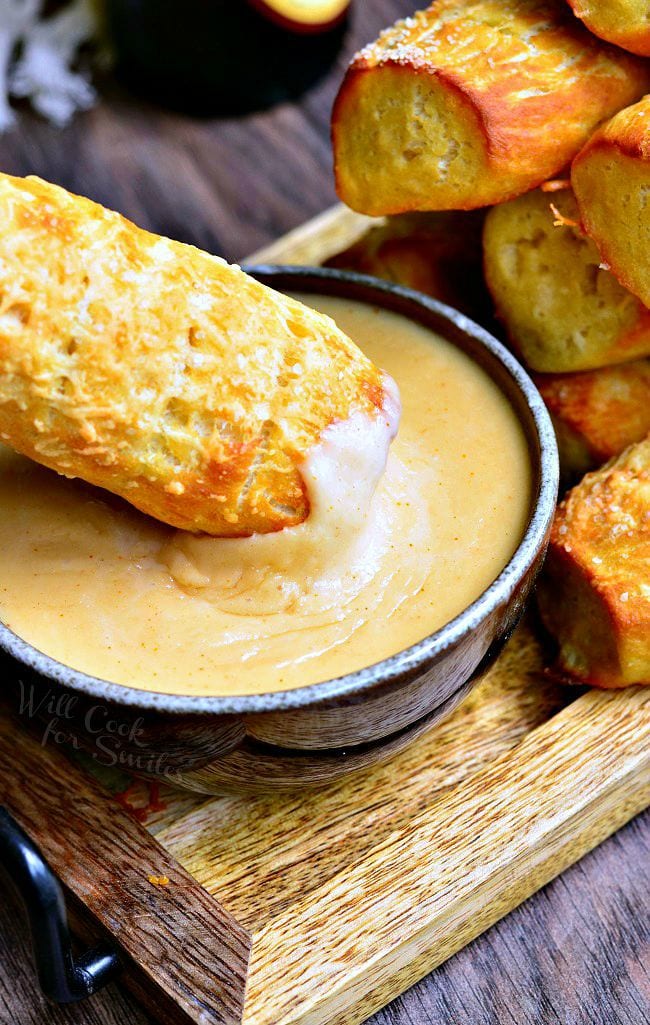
(430, 647)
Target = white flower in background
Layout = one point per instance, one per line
(16, 18)
(36, 55)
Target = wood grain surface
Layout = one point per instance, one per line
(294, 844)
(578, 952)
(227, 185)
(350, 894)
(182, 953)
(335, 947)
(575, 954)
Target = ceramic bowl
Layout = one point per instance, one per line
(317, 733)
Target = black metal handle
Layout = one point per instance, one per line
(63, 978)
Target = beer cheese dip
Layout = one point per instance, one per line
(102, 588)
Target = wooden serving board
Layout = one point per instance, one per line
(320, 907)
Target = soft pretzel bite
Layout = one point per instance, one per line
(623, 22)
(598, 413)
(562, 307)
(611, 181)
(161, 373)
(594, 594)
(472, 102)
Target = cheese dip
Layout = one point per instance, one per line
(102, 588)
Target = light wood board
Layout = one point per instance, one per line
(340, 899)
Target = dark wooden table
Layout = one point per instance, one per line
(578, 953)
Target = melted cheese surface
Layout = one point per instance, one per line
(101, 587)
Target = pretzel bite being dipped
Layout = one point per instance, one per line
(163, 374)
(594, 595)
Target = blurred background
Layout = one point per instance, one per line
(211, 123)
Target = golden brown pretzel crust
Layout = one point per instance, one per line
(159, 372)
(595, 590)
(623, 22)
(611, 178)
(562, 308)
(599, 413)
(472, 102)
(439, 253)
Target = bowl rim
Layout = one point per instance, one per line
(380, 674)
